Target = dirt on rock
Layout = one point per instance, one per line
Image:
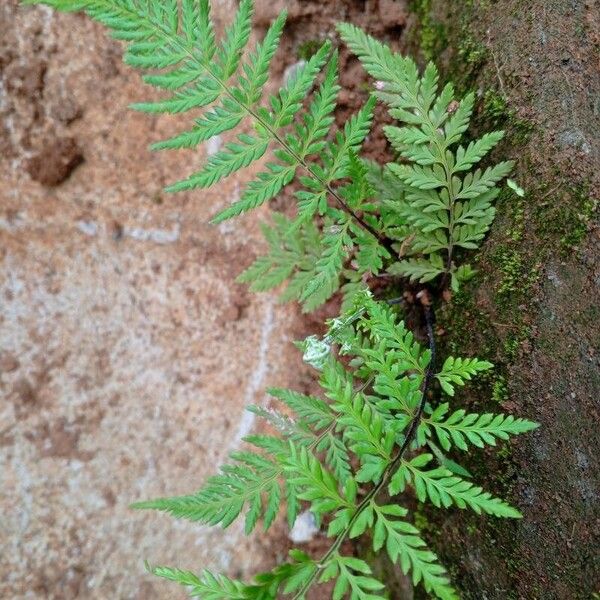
(55, 161)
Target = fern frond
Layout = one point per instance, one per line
(313, 481)
(404, 546)
(328, 268)
(432, 194)
(235, 156)
(317, 121)
(217, 120)
(377, 58)
(337, 456)
(313, 411)
(293, 256)
(285, 106)
(419, 269)
(337, 157)
(480, 182)
(352, 219)
(363, 427)
(476, 150)
(207, 586)
(260, 190)
(236, 38)
(251, 483)
(458, 122)
(397, 340)
(201, 94)
(354, 579)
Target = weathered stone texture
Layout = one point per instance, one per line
(127, 352)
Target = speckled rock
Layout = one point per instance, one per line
(127, 351)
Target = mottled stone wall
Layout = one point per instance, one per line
(127, 352)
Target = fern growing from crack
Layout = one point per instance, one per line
(381, 415)
(445, 203)
(375, 427)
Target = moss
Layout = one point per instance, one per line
(567, 220)
(495, 107)
(432, 33)
(515, 232)
(307, 49)
(511, 347)
(515, 269)
(498, 113)
(464, 322)
(510, 265)
(574, 236)
(500, 390)
(471, 51)
(591, 314)
(468, 60)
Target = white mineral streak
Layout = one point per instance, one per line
(304, 529)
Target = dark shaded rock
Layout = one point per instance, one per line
(55, 161)
(393, 13)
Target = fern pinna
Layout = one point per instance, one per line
(376, 427)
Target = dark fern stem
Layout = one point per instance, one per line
(429, 317)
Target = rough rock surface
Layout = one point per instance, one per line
(533, 307)
(127, 352)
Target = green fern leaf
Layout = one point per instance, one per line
(206, 586)
(480, 182)
(313, 482)
(458, 122)
(224, 496)
(443, 488)
(313, 411)
(318, 120)
(460, 428)
(354, 578)
(337, 456)
(363, 427)
(328, 268)
(404, 546)
(216, 121)
(201, 94)
(236, 38)
(290, 98)
(377, 58)
(419, 269)
(475, 151)
(458, 370)
(262, 189)
(235, 156)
